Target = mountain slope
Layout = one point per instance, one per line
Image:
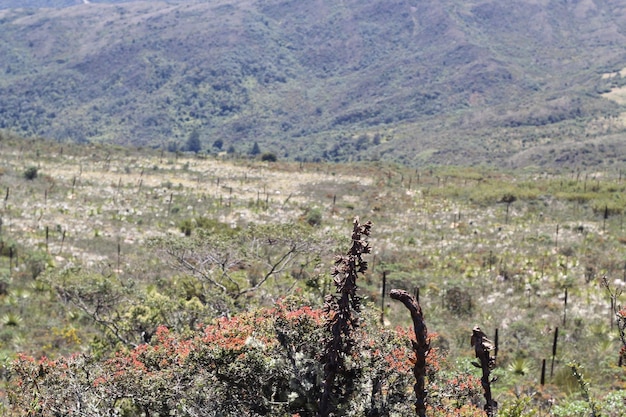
(415, 81)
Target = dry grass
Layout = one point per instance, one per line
(432, 230)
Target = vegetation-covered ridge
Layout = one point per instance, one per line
(417, 82)
(144, 272)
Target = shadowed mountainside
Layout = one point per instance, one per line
(445, 81)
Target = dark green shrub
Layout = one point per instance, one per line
(193, 143)
(269, 157)
(458, 301)
(314, 217)
(256, 150)
(31, 173)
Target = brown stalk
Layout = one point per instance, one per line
(342, 320)
(483, 347)
(421, 347)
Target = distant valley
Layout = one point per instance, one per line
(415, 82)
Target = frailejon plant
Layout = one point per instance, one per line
(342, 311)
(483, 347)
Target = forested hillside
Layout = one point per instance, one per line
(416, 82)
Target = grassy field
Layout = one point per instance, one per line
(523, 252)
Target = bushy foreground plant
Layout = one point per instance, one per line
(267, 362)
(260, 363)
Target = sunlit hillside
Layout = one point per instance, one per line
(444, 82)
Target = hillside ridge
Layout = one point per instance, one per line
(473, 82)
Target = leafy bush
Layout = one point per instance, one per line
(264, 362)
(314, 217)
(459, 301)
(31, 173)
(269, 157)
(208, 224)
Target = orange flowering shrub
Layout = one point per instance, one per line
(265, 362)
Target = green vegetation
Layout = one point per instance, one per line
(269, 157)
(193, 143)
(209, 270)
(419, 83)
(117, 256)
(31, 173)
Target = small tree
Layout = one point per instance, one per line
(172, 146)
(508, 199)
(218, 144)
(232, 263)
(193, 142)
(31, 173)
(255, 149)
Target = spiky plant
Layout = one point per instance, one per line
(342, 312)
(519, 366)
(11, 319)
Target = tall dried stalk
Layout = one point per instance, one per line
(342, 320)
(483, 347)
(421, 347)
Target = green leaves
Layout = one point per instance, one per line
(265, 362)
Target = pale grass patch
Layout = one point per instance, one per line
(617, 94)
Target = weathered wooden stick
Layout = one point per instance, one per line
(565, 309)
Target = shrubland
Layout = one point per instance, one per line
(415, 82)
(141, 282)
